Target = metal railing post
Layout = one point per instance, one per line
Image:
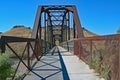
(28, 54)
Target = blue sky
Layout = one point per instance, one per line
(99, 16)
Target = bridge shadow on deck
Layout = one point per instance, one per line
(50, 67)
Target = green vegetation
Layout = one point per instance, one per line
(100, 67)
(95, 62)
(18, 26)
(18, 78)
(118, 31)
(104, 71)
(6, 70)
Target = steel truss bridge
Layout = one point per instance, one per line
(60, 25)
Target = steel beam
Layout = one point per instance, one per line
(77, 23)
(37, 22)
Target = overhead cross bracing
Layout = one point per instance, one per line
(59, 23)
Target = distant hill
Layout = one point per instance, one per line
(19, 31)
(88, 33)
(22, 31)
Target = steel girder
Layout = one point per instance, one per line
(57, 16)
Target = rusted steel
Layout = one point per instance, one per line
(2, 45)
(77, 47)
(17, 56)
(77, 23)
(115, 36)
(10, 39)
(74, 31)
(28, 55)
(19, 63)
(34, 55)
(37, 23)
(119, 62)
(91, 50)
(68, 25)
(57, 16)
(38, 49)
(78, 26)
(101, 46)
(85, 48)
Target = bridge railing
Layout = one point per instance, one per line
(102, 53)
(68, 45)
(30, 52)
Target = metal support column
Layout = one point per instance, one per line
(45, 30)
(74, 32)
(68, 26)
(65, 27)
